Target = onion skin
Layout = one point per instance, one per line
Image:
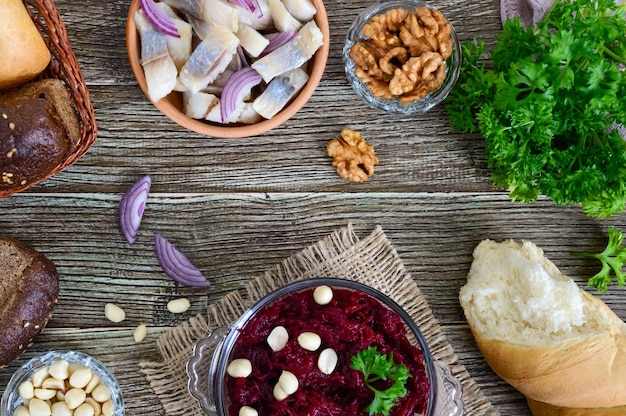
(132, 206)
(161, 21)
(176, 265)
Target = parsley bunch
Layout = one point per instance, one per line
(376, 366)
(546, 102)
(612, 258)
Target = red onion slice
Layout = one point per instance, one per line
(132, 206)
(277, 40)
(157, 17)
(176, 265)
(242, 56)
(249, 5)
(238, 85)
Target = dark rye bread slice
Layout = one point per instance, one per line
(29, 288)
(38, 129)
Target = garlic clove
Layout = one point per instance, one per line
(241, 367)
(310, 341)
(288, 382)
(327, 361)
(277, 339)
(323, 295)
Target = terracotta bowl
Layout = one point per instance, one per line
(172, 105)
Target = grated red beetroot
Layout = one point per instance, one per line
(352, 322)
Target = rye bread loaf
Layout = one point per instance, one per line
(540, 332)
(38, 129)
(29, 288)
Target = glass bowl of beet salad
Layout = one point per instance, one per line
(322, 346)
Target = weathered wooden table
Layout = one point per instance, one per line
(237, 207)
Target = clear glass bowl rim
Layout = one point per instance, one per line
(394, 106)
(219, 359)
(11, 398)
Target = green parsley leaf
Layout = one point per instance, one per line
(613, 258)
(375, 367)
(545, 99)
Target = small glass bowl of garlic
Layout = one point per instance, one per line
(62, 383)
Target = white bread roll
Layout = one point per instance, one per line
(552, 341)
(23, 52)
(545, 409)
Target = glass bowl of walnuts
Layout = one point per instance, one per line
(402, 56)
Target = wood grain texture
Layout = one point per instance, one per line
(237, 207)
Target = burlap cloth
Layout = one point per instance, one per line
(372, 261)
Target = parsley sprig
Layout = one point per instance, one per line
(375, 367)
(545, 99)
(613, 258)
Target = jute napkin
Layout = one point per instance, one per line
(372, 261)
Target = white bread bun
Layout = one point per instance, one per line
(23, 52)
(545, 409)
(549, 339)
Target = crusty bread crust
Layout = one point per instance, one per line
(29, 289)
(586, 370)
(24, 53)
(545, 409)
(39, 129)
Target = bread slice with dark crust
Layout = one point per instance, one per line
(29, 289)
(39, 128)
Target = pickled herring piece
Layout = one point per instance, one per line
(218, 12)
(283, 20)
(244, 114)
(209, 58)
(292, 54)
(303, 10)
(279, 92)
(252, 41)
(264, 22)
(197, 105)
(179, 48)
(158, 66)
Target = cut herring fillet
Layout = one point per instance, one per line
(179, 48)
(279, 92)
(292, 54)
(158, 66)
(199, 104)
(218, 12)
(209, 58)
(252, 41)
(303, 10)
(283, 20)
(244, 114)
(265, 22)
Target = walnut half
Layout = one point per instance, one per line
(352, 155)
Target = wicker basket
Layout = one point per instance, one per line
(64, 66)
